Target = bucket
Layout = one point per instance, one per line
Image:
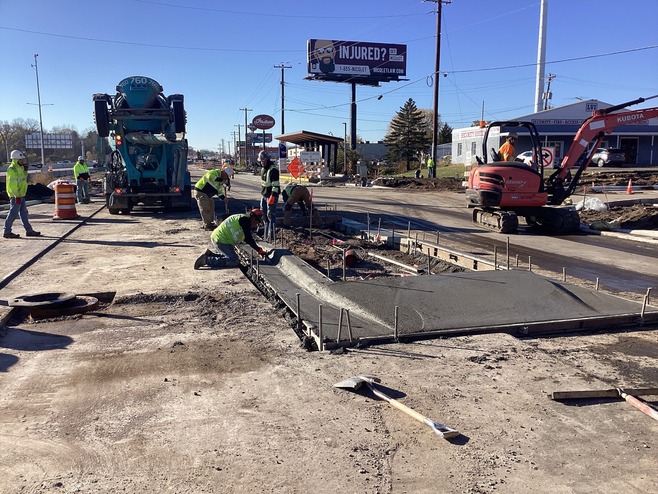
(64, 201)
(351, 258)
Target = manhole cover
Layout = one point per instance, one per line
(77, 305)
(41, 299)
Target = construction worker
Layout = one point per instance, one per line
(431, 173)
(17, 190)
(81, 175)
(233, 230)
(297, 194)
(506, 151)
(211, 184)
(270, 190)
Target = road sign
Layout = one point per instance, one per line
(296, 168)
(547, 156)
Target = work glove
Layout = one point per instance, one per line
(19, 200)
(271, 200)
(262, 252)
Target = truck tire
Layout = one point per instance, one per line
(102, 118)
(179, 116)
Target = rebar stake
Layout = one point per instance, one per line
(409, 229)
(349, 325)
(395, 328)
(564, 273)
(429, 264)
(508, 266)
(344, 269)
(340, 325)
(648, 296)
(328, 269)
(597, 283)
(530, 263)
(299, 313)
(320, 335)
(495, 257)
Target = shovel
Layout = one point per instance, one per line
(355, 383)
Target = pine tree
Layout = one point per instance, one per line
(407, 136)
(445, 134)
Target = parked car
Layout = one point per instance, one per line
(611, 156)
(526, 157)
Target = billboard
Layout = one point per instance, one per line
(356, 61)
(50, 141)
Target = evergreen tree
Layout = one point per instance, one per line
(407, 136)
(445, 134)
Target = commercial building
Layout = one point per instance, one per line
(557, 128)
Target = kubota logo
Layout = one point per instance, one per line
(263, 122)
(630, 118)
(516, 182)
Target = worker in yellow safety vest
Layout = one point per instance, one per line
(232, 231)
(270, 190)
(81, 175)
(214, 182)
(297, 194)
(17, 190)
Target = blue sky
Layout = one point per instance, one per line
(222, 55)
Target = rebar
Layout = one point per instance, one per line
(299, 312)
(395, 327)
(320, 335)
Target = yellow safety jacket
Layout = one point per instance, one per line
(229, 232)
(79, 169)
(16, 180)
(210, 183)
(269, 181)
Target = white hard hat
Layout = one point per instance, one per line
(81, 158)
(18, 155)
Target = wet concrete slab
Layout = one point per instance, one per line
(513, 301)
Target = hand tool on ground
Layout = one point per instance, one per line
(355, 383)
(626, 394)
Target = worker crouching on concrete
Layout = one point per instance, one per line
(298, 194)
(232, 231)
(17, 190)
(211, 184)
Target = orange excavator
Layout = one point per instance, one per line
(501, 191)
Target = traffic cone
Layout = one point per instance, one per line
(629, 189)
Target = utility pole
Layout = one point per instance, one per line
(36, 69)
(282, 67)
(235, 147)
(246, 149)
(548, 95)
(437, 73)
(238, 149)
(344, 148)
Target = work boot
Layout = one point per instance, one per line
(201, 260)
(210, 226)
(11, 235)
(33, 233)
(215, 261)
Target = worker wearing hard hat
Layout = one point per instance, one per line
(297, 194)
(233, 230)
(81, 175)
(17, 190)
(270, 190)
(506, 151)
(213, 183)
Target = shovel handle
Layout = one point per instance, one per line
(641, 406)
(440, 429)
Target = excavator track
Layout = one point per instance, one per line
(556, 221)
(498, 220)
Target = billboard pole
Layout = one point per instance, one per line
(353, 117)
(246, 148)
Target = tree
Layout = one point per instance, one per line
(445, 134)
(407, 137)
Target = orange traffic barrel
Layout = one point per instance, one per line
(65, 201)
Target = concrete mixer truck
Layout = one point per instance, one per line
(147, 164)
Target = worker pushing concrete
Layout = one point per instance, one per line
(232, 231)
(298, 194)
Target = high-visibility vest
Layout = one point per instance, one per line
(229, 231)
(16, 180)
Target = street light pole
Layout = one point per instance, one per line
(36, 69)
